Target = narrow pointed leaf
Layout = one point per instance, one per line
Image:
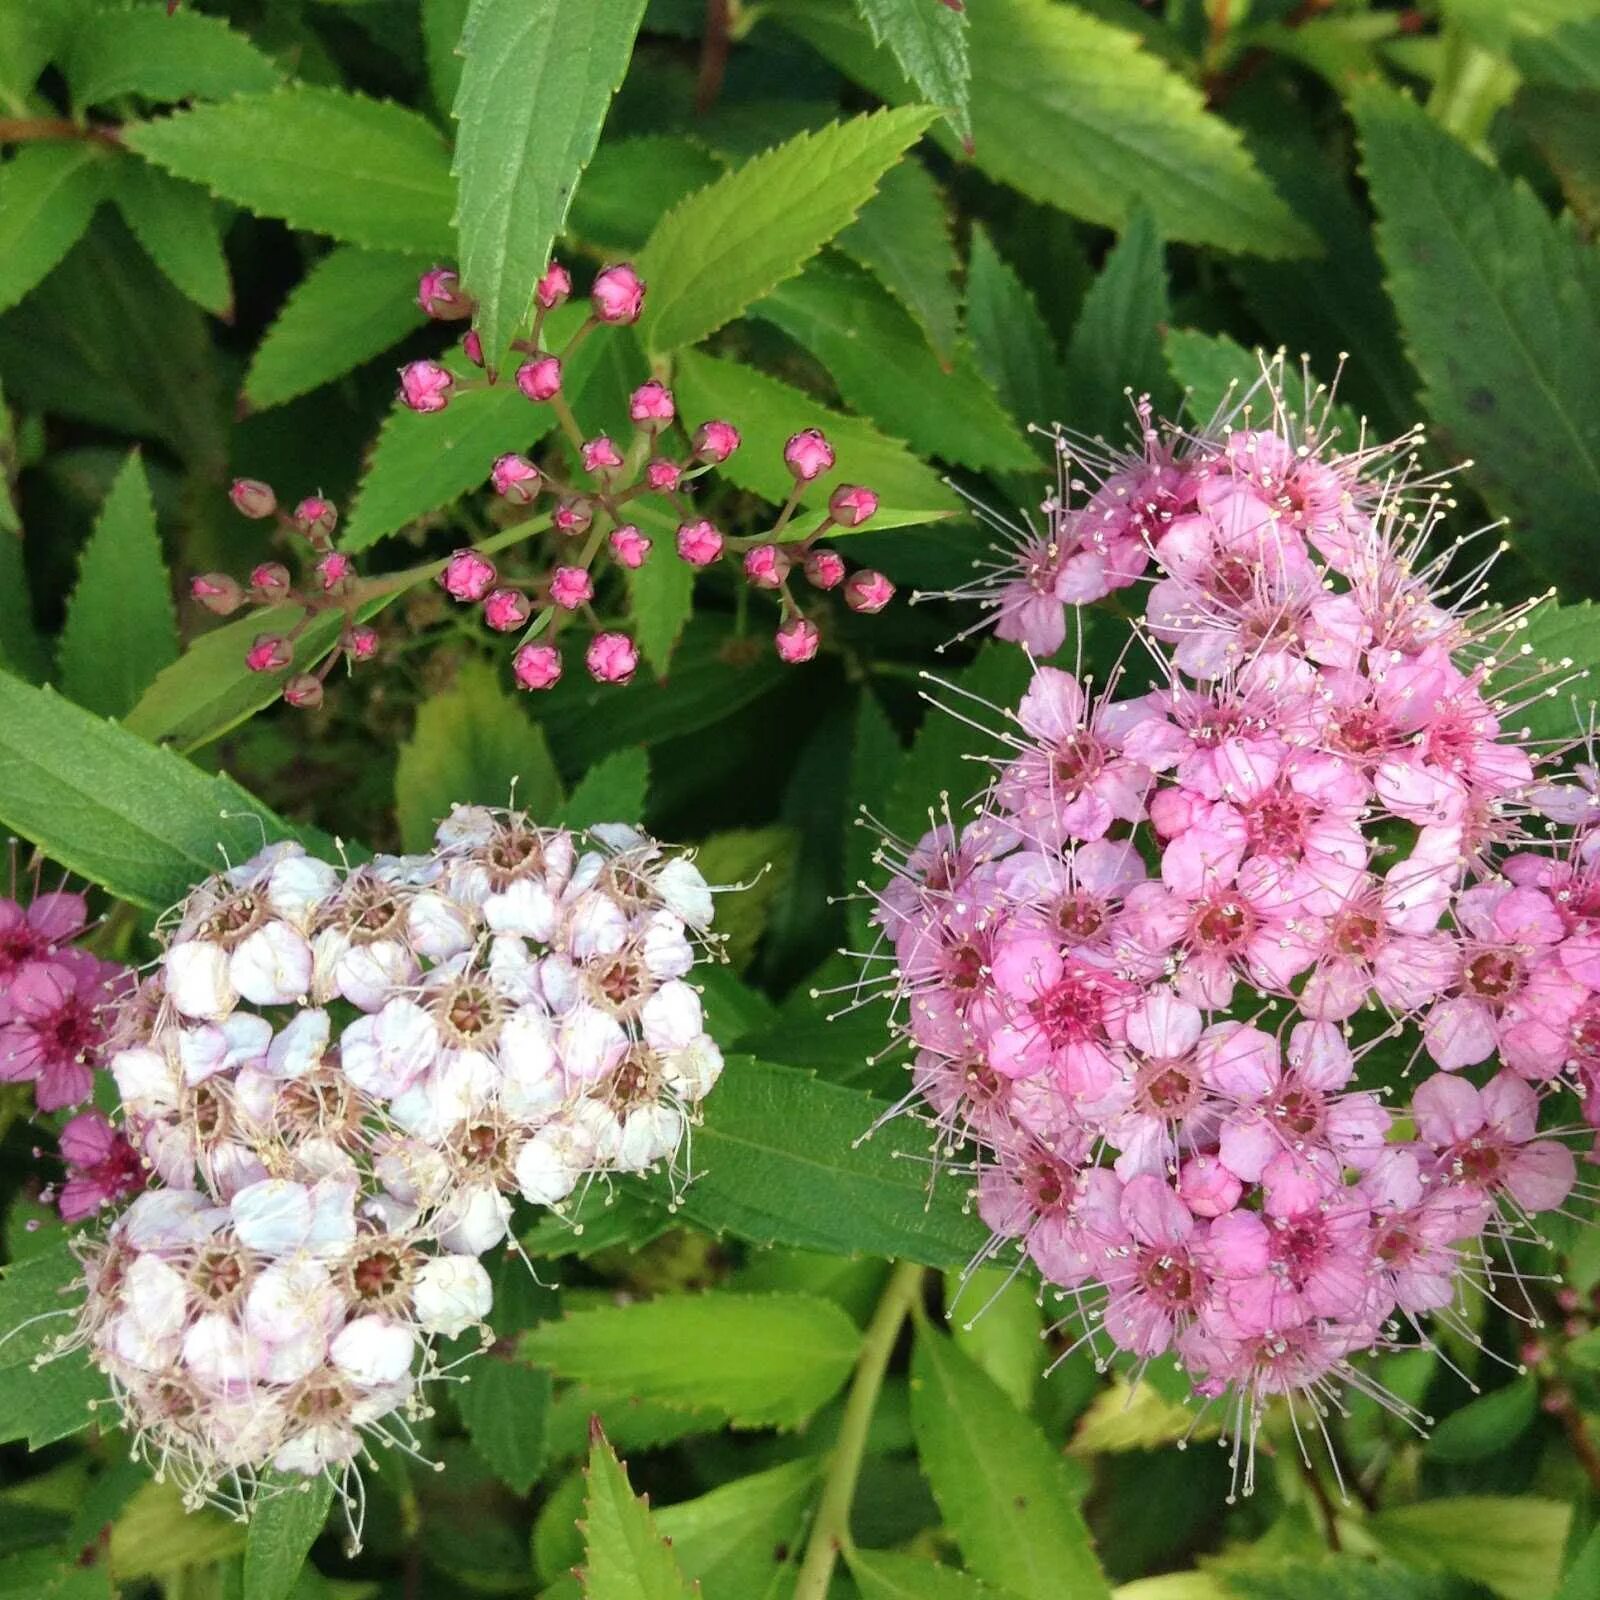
(624, 1558)
(930, 43)
(177, 224)
(48, 193)
(283, 1527)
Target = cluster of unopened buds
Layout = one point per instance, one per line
(1266, 996)
(340, 1080)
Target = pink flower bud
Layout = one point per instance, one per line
(618, 295)
(652, 402)
(600, 454)
(270, 581)
(825, 569)
(572, 517)
(506, 610)
(467, 576)
(808, 454)
(360, 642)
(611, 658)
(515, 477)
(217, 592)
(1207, 1188)
(629, 545)
(439, 294)
(316, 518)
(766, 566)
(570, 587)
(868, 591)
(536, 666)
(540, 379)
(333, 569)
(663, 475)
(554, 287)
(252, 498)
(304, 690)
(796, 640)
(472, 347)
(715, 441)
(699, 543)
(425, 386)
(850, 505)
(270, 652)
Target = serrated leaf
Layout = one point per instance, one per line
(442, 22)
(995, 1318)
(631, 183)
(660, 600)
(624, 1557)
(766, 412)
(1005, 1494)
(365, 171)
(612, 790)
(760, 1360)
(504, 1403)
(1562, 124)
(883, 1575)
(120, 629)
(1339, 1578)
(39, 1298)
(761, 859)
(1072, 111)
(177, 224)
(884, 368)
(930, 43)
(1513, 1545)
(55, 1573)
(1567, 57)
(48, 193)
(172, 57)
(1487, 1425)
(473, 744)
(1500, 308)
(535, 87)
(22, 651)
(351, 306)
(284, 1524)
(733, 241)
(133, 818)
(737, 1541)
(1136, 1416)
(1011, 343)
(902, 236)
(157, 1535)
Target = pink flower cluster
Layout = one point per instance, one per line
(1251, 990)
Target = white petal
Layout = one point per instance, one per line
(197, 980)
(671, 1016)
(451, 1294)
(273, 1217)
(590, 1043)
(474, 1219)
(299, 1045)
(685, 892)
(373, 1350)
(438, 927)
(525, 907)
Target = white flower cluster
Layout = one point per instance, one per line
(341, 1077)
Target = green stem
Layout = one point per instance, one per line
(830, 1533)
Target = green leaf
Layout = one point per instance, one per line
(1013, 347)
(1072, 111)
(538, 80)
(1511, 1545)
(1004, 1492)
(761, 859)
(1562, 123)
(283, 1526)
(120, 629)
(1500, 307)
(883, 1575)
(624, 1556)
(930, 43)
(660, 599)
(733, 241)
(54, 1573)
(48, 193)
(1567, 640)
(996, 1320)
(1584, 1351)
(39, 1299)
(1138, 1416)
(365, 171)
(351, 306)
(1486, 1426)
(902, 236)
(176, 57)
(766, 412)
(504, 1403)
(1566, 58)
(612, 790)
(157, 1536)
(442, 24)
(738, 1540)
(177, 224)
(473, 744)
(135, 819)
(1341, 1578)
(22, 651)
(1217, 373)
(631, 183)
(761, 1360)
(884, 368)
(1583, 1576)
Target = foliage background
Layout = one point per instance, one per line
(1097, 196)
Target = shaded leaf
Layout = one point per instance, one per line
(631, 183)
(48, 193)
(736, 1541)
(660, 599)
(1487, 1425)
(118, 51)
(284, 1524)
(1513, 1546)
(883, 1575)
(1011, 343)
(612, 790)
(177, 224)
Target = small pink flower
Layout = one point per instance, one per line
(316, 518)
(808, 454)
(554, 287)
(425, 386)
(270, 652)
(439, 294)
(766, 566)
(270, 581)
(34, 932)
(629, 545)
(618, 294)
(540, 379)
(796, 640)
(472, 347)
(663, 475)
(850, 505)
(333, 569)
(506, 610)
(360, 643)
(515, 477)
(868, 592)
(252, 498)
(572, 517)
(103, 1169)
(570, 587)
(600, 454)
(54, 1030)
(303, 691)
(467, 576)
(611, 658)
(715, 441)
(699, 543)
(536, 666)
(217, 592)
(652, 402)
(825, 569)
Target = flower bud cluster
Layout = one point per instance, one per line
(1171, 977)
